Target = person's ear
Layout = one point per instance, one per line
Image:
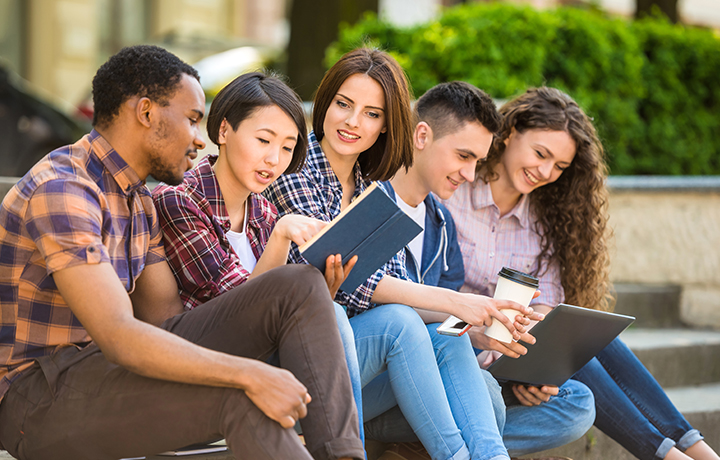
(222, 132)
(422, 135)
(513, 133)
(383, 130)
(144, 111)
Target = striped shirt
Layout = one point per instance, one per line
(316, 192)
(195, 223)
(81, 204)
(489, 242)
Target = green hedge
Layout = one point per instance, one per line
(652, 87)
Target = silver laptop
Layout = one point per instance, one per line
(567, 339)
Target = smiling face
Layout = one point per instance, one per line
(355, 118)
(175, 138)
(443, 164)
(258, 151)
(535, 158)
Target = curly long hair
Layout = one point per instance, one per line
(572, 211)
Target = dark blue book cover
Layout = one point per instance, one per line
(373, 227)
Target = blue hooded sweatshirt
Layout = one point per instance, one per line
(442, 262)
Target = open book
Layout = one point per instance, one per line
(373, 227)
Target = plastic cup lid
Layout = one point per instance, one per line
(519, 277)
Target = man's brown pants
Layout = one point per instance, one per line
(76, 405)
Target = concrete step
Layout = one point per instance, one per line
(677, 357)
(699, 404)
(651, 305)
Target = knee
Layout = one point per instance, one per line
(404, 321)
(299, 284)
(579, 404)
(449, 344)
(297, 276)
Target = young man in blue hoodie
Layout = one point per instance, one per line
(456, 123)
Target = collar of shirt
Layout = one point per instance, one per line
(260, 214)
(126, 177)
(318, 162)
(481, 197)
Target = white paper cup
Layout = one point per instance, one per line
(512, 285)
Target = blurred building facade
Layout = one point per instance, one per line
(57, 45)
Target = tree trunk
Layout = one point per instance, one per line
(668, 7)
(313, 26)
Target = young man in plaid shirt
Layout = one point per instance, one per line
(98, 359)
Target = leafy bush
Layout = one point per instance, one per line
(652, 87)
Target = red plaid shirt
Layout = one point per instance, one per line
(195, 222)
(81, 204)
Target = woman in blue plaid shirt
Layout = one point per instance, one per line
(363, 132)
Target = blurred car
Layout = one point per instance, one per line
(30, 128)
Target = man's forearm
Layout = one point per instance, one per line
(430, 298)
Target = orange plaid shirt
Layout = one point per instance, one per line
(81, 204)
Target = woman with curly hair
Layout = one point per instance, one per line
(539, 204)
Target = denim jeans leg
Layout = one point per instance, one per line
(563, 419)
(348, 341)
(631, 406)
(468, 394)
(394, 338)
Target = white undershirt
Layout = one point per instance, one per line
(418, 215)
(241, 244)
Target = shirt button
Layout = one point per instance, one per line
(493, 229)
(492, 254)
(485, 280)
(91, 249)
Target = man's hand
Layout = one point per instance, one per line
(479, 310)
(513, 349)
(336, 273)
(534, 396)
(278, 394)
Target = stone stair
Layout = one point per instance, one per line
(685, 361)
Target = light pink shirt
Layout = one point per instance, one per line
(489, 242)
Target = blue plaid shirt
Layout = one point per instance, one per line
(316, 192)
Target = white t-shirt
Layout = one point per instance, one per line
(241, 244)
(418, 215)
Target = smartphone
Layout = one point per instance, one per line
(453, 326)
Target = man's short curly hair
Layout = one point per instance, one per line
(142, 70)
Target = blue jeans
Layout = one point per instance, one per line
(434, 379)
(526, 429)
(348, 341)
(631, 406)
(563, 419)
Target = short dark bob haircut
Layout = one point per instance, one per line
(242, 97)
(142, 70)
(393, 148)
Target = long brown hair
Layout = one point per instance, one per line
(572, 211)
(393, 148)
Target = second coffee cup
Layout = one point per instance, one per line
(516, 286)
